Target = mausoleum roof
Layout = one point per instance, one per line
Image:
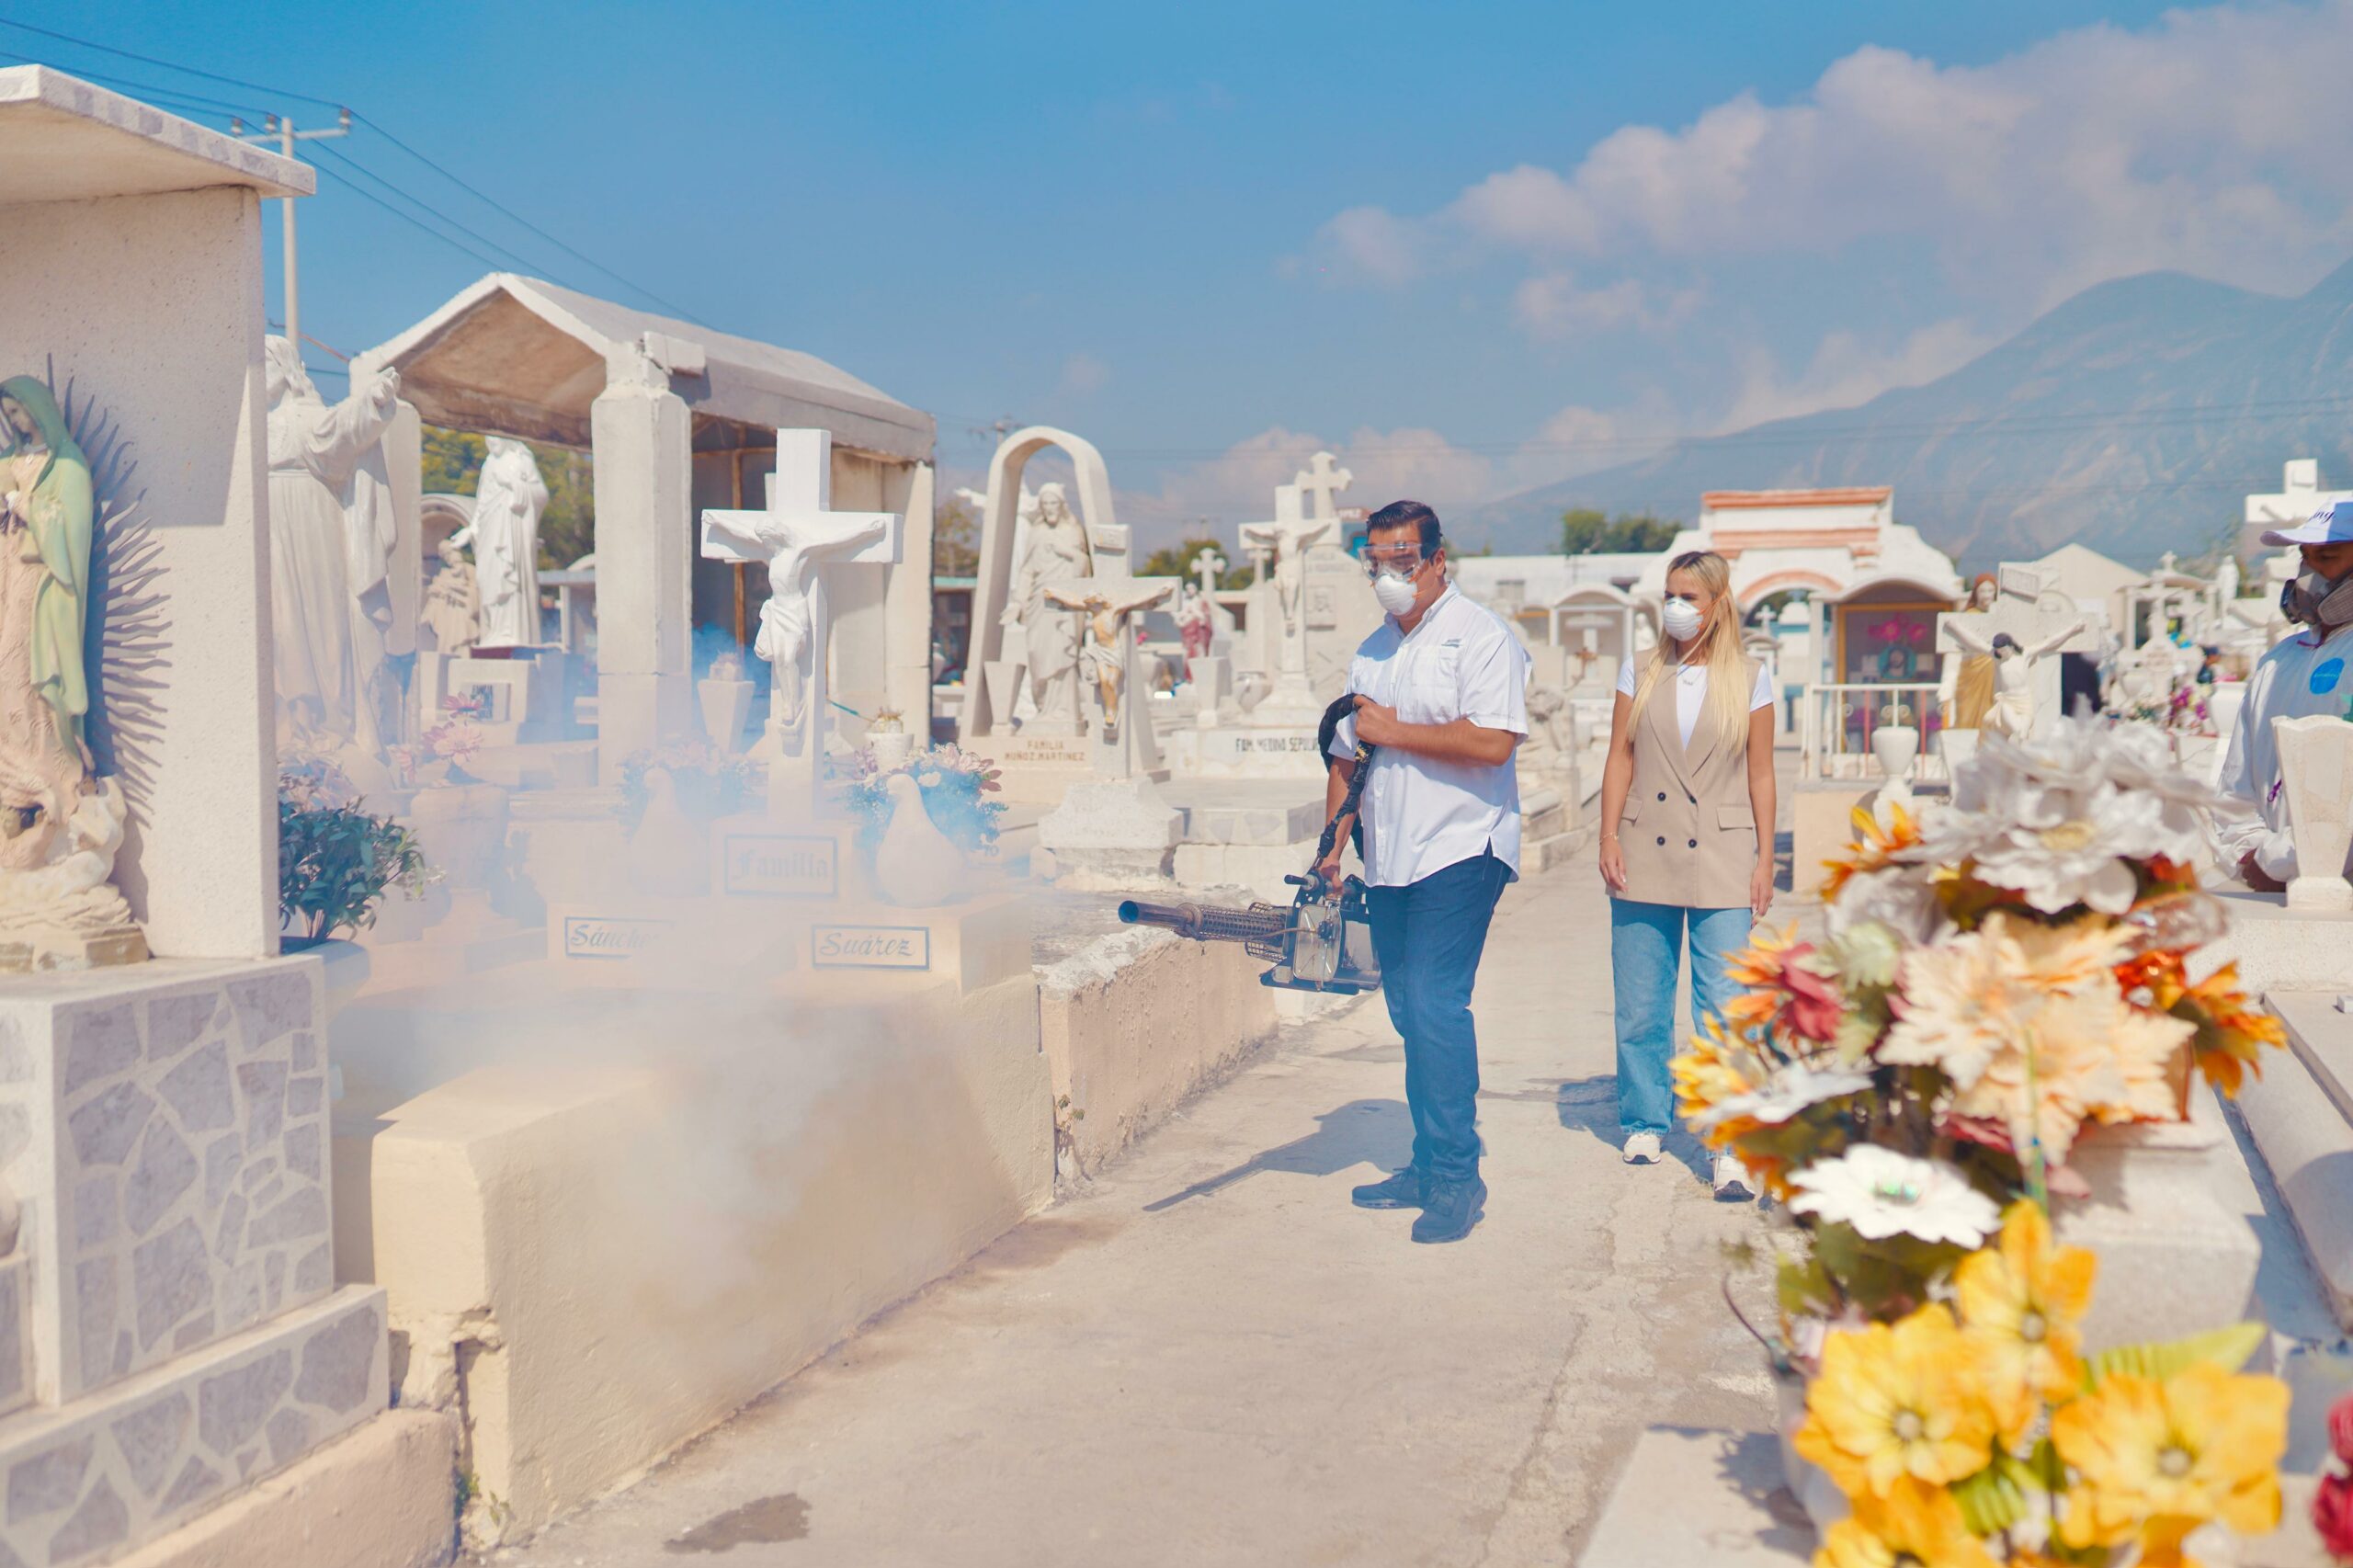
(514, 356)
(64, 139)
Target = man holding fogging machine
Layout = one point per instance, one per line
(1441, 696)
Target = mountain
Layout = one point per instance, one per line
(2133, 418)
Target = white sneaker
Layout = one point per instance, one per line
(1732, 1180)
(1642, 1149)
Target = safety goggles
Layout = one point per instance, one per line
(1405, 563)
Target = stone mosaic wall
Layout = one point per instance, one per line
(168, 1143)
(126, 1465)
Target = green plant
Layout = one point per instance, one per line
(336, 861)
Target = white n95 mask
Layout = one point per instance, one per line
(1681, 619)
(1396, 593)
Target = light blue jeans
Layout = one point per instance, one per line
(1645, 951)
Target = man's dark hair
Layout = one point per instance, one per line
(1407, 515)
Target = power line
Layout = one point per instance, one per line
(357, 167)
(169, 64)
(361, 190)
(517, 217)
(478, 195)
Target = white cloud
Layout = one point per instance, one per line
(1553, 305)
(1083, 373)
(2212, 142)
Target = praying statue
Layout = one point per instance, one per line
(1058, 551)
(316, 453)
(505, 533)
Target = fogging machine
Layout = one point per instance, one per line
(1322, 941)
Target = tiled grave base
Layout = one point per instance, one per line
(1696, 1498)
(2301, 1115)
(1549, 832)
(132, 1461)
(639, 943)
(2279, 949)
(2167, 1216)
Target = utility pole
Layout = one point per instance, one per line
(279, 129)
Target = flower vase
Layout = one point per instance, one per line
(669, 853)
(891, 747)
(1898, 747)
(1808, 1482)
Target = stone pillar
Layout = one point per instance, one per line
(2316, 776)
(642, 438)
(907, 600)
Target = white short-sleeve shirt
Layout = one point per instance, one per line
(1692, 692)
(1420, 814)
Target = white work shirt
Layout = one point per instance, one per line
(1420, 814)
(1691, 693)
(2298, 677)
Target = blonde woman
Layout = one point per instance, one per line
(1686, 815)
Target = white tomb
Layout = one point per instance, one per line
(173, 1327)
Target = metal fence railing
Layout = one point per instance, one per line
(1835, 723)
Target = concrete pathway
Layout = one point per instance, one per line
(1211, 1358)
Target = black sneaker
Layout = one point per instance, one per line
(1450, 1209)
(1402, 1190)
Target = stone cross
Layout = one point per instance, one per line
(796, 535)
(1324, 482)
(1110, 598)
(2316, 776)
(1209, 563)
(2299, 497)
(1288, 538)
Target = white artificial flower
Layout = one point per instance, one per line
(1789, 1090)
(1881, 1193)
(1903, 897)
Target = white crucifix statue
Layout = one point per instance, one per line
(2021, 682)
(1288, 538)
(1322, 480)
(796, 538)
(1110, 599)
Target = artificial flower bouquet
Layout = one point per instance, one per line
(1998, 979)
(956, 786)
(440, 756)
(707, 781)
(1974, 1431)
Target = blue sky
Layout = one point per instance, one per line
(1474, 248)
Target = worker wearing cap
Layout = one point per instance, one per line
(2309, 673)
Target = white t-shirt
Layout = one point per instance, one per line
(1420, 814)
(1692, 692)
(2301, 676)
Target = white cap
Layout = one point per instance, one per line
(2333, 524)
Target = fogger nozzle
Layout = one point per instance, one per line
(1208, 923)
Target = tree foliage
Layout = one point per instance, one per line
(453, 461)
(1586, 531)
(1176, 561)
(955, 540)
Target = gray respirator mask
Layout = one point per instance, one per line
(2312, 600)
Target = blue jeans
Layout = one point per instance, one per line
(1428, 935)
(1645, 950)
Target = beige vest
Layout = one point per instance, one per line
(1687, 832)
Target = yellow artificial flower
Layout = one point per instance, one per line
(1913, 1526)
(1875, 847)
(2153, 1459)
(2022, 1301)
(1893, 1401)
(1717, 1066)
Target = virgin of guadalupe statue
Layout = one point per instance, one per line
(1057, 552)
(314, 450)
(1972, 686)
(59, 826)
(508, 498)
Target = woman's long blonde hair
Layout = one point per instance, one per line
(1719, 642)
